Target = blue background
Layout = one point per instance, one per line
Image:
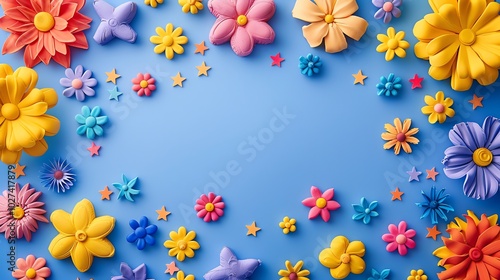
(175, 139)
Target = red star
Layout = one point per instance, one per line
(416, 82)
(277, 59)
(94, 149)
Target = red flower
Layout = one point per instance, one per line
(143, 84)
(210, 207)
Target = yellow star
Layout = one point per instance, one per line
(105, 193)
(433, 232)
(162, 213)
(252, 229)
(203, 69)
(19, 170)
(359, 78)
(112, 76)
(178, 79)
(201, 48)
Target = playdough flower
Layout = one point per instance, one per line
(181, 276)
(310, 64)
(365, 211)
(294, 272)
(153, 3)
(389, 86)
(139, 273)
(399, 238)
(78, 83)
(31, 268)
(192, 6)
(330, 20)
(181, 244)
(143, 84)
(46, 28)
(475, 155)
(143, 233)
(343, 257)
(288, 225)
(392, 43)
(387, 9)
(22, 219)
(439, 108)
(383, 275)
(434, 205)
(90, 122)
(210, 207)
(321, 203)
(169, 41)
(127, 188)
(461, 40)
(57, 175)
(399, 135)
(243, 23)
(23, 119)
(82, 235)
(417, 275)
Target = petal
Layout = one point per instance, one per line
(83, 214)
(352, 26)
(82, 258)
(261, 32)
(306, 10)
(101, 248)
(62, 222)
(61, 246)
(241, 42)
(222, 30)
(357, 264)
(457, 162)
(261, 10)
(100, 227)
(335, 40)
(224, 8)
(344, 9)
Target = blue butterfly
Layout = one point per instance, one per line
(231, 268)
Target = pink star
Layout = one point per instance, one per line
(277, 59)
(171, 268)
(94, 149)
(321, 203)
(416, 82)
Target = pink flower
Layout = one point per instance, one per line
(399, 238)
(242, 22)
(209, 207)
(31, 269)
(321, 203)
(25, 214)
(144, 84)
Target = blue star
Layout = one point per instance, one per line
(114, 93)
(413, 174)
(115, 22)
(127, 188)
(232, 268)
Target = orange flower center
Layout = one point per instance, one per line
(17, 212)
(10, 111)
(401, 137)
(329, 18)
(242, 20)
(321, 203)
(76, 83)
(168, 41)
(80, 235)
(475, 254)
(393, 44)
(482, 157)
(182, 245)
(44, 21)
(467, 37)
(345, 258)
(439, 108)
(144, 84)
(209, 207)
(401, 239)
(31, 273)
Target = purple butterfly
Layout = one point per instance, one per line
(115, 22)
(231, 268)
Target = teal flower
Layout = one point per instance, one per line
(434, 205)
(310, 64)
(90, 122)
(127, 188)
(383, 275)
(365, 210)
(389, 86)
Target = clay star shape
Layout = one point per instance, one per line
(252, 229)
(396, 194)
(413, 174)
(19, 170)
(433, 232)
(105, 193)
(114, 93)
(162, 213)
(201, 48)
(171, 268)
(112, 76)
(203, 69)
(115, 22)
(178, 79)
(359, 78)
(416, 82)
(232, 268)
(277, 59)
(431, 174)
(476, 101)
(94, 149)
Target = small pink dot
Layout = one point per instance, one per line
(401, 239)
(439, 108)
(77, 83)
(293, 276)
(58, 175)
(401, 137)
(388, 6)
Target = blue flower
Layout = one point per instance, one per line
(365, 211)
(127, 188)
(128, 274)
(434, 205)
(310, 64)
(389, 86)
(384, 275)
(57, 174)
(90, 122)
(143, 233)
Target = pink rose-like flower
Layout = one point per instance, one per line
(399, 238)
(143, 84)
(31, 269)
(321, 203)
(242, 22)
(210, 207)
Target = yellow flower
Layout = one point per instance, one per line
(461, 40)
(180, 276)
(181, 244)
(343, 257)
(153, 3)
(81, 235)
(192, 6)
(417, 275)
(23, 122)
(294, 272)
(392, 43)
(169, 41)
(399, 135)
(439, 108)
(288, 225)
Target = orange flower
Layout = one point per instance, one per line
(47, 28)
(399, 135)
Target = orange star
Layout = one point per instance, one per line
(203, 69)
(112, 76)
(178, 79)
(252, 229)
(162, 213)
(359, 78)
(476, 102)
(19, 170)
(433, 232)
(396, 194)
(105, 193)
(94, 149)
(201, 48)
(171, 268)
(431, 174)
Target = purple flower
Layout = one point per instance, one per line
(128, 274)
(476, 155)
(78, 83)
(387, 9)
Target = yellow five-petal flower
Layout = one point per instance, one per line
(343, 257)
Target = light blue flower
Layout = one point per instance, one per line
(434, 205)
(143, 233)
(383, 275)
(365, 210)
(90, 122)
(309, 65)
(127, 188)
(389, 86)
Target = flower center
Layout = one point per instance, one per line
(287, 224)
(467, 37)
(80, 235)
(401, 239)
(367, 211)
(321, 203)
(475, 254)
(168, 41)
(44, 21)
(31, 273)
(17, 212)
(90, 121)
(58, 175)
(433, 204)
(389, 86)
(482, 157)
(310, 64)
(293, 276)
(140, 232)
(345, 258)
(77, 83)
(242, 20)
(329, 18)
(209, 207)
(144, 84)
(182, 245)
(417, 277)
(387, 7)
(439, 108)
(393, 44)
(10, 111)
(401, 137)
(124, 188)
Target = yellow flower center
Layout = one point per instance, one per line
(467, 37)
(31, 273)
(144, 84)
(168, 41)
(80, 235)
(482, 157)
(393, 44)
(44, 21)
(288, 225)
(321, 203)
(209, 207)
(345, 258)
(182, 245)
(17, 212)
(10, 111)
(242, 20)
(329, 18)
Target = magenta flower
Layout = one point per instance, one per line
(242, 22)
(31, 269)
(399, 238)
(25, 214)
(321, 203)
(210, 207)
(78, 83)
(143, 84)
